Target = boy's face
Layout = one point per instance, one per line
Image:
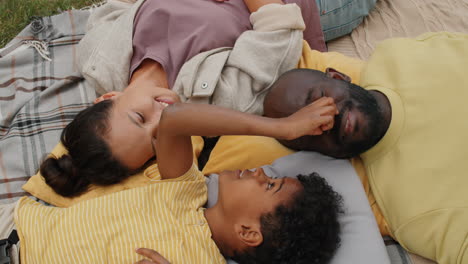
(133, 123)
(252, 193)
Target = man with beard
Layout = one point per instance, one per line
(406, 124)
(358, 125)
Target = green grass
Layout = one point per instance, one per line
(16, 14)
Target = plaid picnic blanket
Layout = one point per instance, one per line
(41, 91)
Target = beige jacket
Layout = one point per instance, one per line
(237, 78)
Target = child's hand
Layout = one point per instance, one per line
(312, 119)
(155, 257)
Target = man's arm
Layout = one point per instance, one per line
(180, 121)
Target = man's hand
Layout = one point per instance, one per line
(155, 257)
(312, 119)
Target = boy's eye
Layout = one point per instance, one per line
(270, 185)
(142, 119)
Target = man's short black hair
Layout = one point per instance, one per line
(305, 231)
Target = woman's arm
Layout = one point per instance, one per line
(180, 121)
(254, 5)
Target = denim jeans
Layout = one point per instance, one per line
(340, 17)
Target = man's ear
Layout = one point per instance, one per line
(107, 96)
(334, 74)
(249, 235)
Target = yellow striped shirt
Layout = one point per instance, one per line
(167, 216)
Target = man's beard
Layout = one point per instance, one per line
(366, 104)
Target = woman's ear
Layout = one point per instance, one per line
(249, 235)
(107, 96)
(334, 74)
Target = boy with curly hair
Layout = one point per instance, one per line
(257, 219)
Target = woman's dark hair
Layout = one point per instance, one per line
(306, 231)
(89, 159)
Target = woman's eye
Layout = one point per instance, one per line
(142, 118)
(270, 185)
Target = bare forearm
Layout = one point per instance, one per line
(209, 120)
(180, 121)
(254, 5)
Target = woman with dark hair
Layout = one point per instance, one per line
(236, 78)
(71, 174)
(116, 136)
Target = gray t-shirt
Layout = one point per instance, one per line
(212, 184)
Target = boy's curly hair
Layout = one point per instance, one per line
(306, 231)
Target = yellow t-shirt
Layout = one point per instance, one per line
(316, 60)
(419, 170)
(166, 216)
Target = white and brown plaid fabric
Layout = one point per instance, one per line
(38, 96)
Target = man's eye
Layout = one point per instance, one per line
(270, 185)
(142, 119)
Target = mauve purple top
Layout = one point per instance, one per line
(173, 31)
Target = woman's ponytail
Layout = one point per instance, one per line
(89, 159)
(63, 177)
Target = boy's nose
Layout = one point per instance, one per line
(259, 175)
(257, 172)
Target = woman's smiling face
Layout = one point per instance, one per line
(134, 120)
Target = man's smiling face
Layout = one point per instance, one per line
(357, 126)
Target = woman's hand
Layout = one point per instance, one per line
(313, 119)
(155, 257)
